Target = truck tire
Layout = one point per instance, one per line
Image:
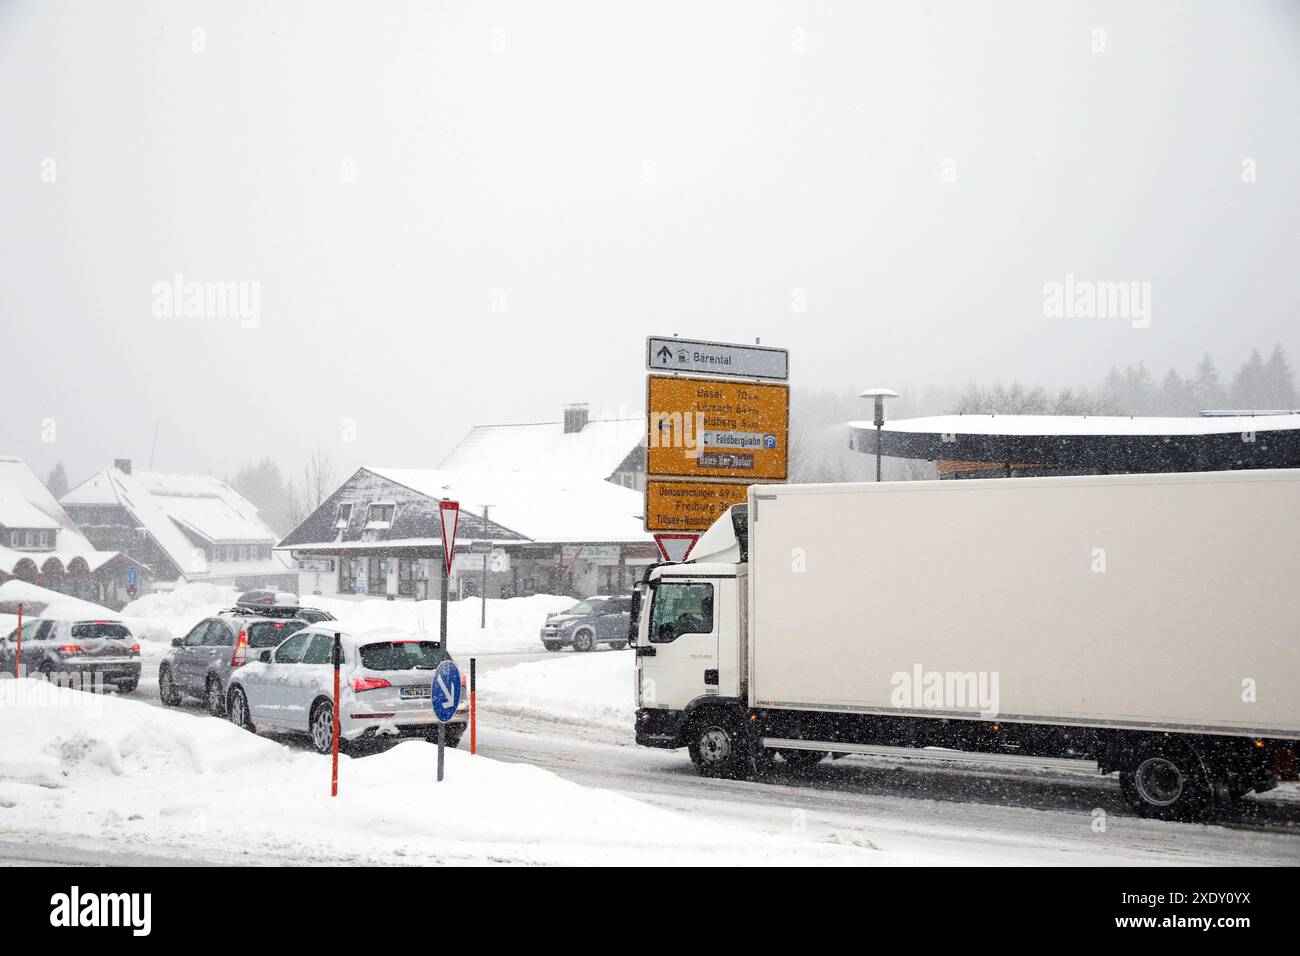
(1167, 781)
(802, 759)
(584, 640)
(717, 747)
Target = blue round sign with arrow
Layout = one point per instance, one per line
(446, 691)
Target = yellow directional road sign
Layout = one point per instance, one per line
(689, 505)
(716, 429)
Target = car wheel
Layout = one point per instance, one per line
(237, 710)
(167, 691)
(214, 698)
(552, 645)
(584, 641)
(1166, 783)
(618, 645)
(322, 727)
(127, 686)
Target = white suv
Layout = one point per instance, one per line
(385, 685)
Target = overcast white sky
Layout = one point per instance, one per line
(614, 169)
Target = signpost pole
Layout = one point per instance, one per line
(337, 658)
(18, 660)
(442, 610)
(442, 743)
(482, 617)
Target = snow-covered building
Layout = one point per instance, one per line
(612, 449)
(380, 534)
(185, 527)
(976, 446)
(41, 544)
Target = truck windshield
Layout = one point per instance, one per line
(681, 609)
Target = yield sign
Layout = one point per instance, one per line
(448, 514)
(675, 547)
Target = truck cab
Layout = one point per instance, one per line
(688, 632)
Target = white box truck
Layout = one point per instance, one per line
(1148, 623)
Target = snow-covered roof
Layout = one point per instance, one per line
(596, 451)
(1039, 425)
(25, 502)
(543, 507)
(1092, 442)
(164, 504)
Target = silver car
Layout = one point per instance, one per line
(385, 687)
(200, 663)
(75, 653)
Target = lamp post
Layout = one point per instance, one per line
(878, 395)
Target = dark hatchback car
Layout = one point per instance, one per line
(201, 663)
(597, 620)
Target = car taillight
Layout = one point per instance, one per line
(240, 657)
(369, 683)
(135, 648)
(69, 648)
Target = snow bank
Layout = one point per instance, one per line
(513, 624)
(50, 603)
(79, 767)
(583, 689)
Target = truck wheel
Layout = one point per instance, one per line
(584, 641)
(167, 691)
(802, 759)
(718, 749)
(1166, 783)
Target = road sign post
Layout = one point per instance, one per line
(448, 514)
(444, 694)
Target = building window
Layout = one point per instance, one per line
(349, 571)
(381, 513)
(344, 515)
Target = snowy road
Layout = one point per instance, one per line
(928, 810)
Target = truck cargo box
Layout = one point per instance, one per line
(1131, 601)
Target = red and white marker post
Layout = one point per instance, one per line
(337, 658)
(18, 659)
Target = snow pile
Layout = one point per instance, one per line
(47, 603)
(585, 689)
(513, 624)
(156, 619)
(119, 774)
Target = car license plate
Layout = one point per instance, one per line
(416, 693)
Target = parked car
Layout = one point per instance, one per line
(200, 663)
(385, 687)
(597, 620)
(71, 650)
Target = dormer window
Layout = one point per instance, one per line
(381, 514)
(344, 515)
(31, 539)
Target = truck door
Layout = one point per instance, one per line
(682, 636)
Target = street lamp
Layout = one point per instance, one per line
(878, 395)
